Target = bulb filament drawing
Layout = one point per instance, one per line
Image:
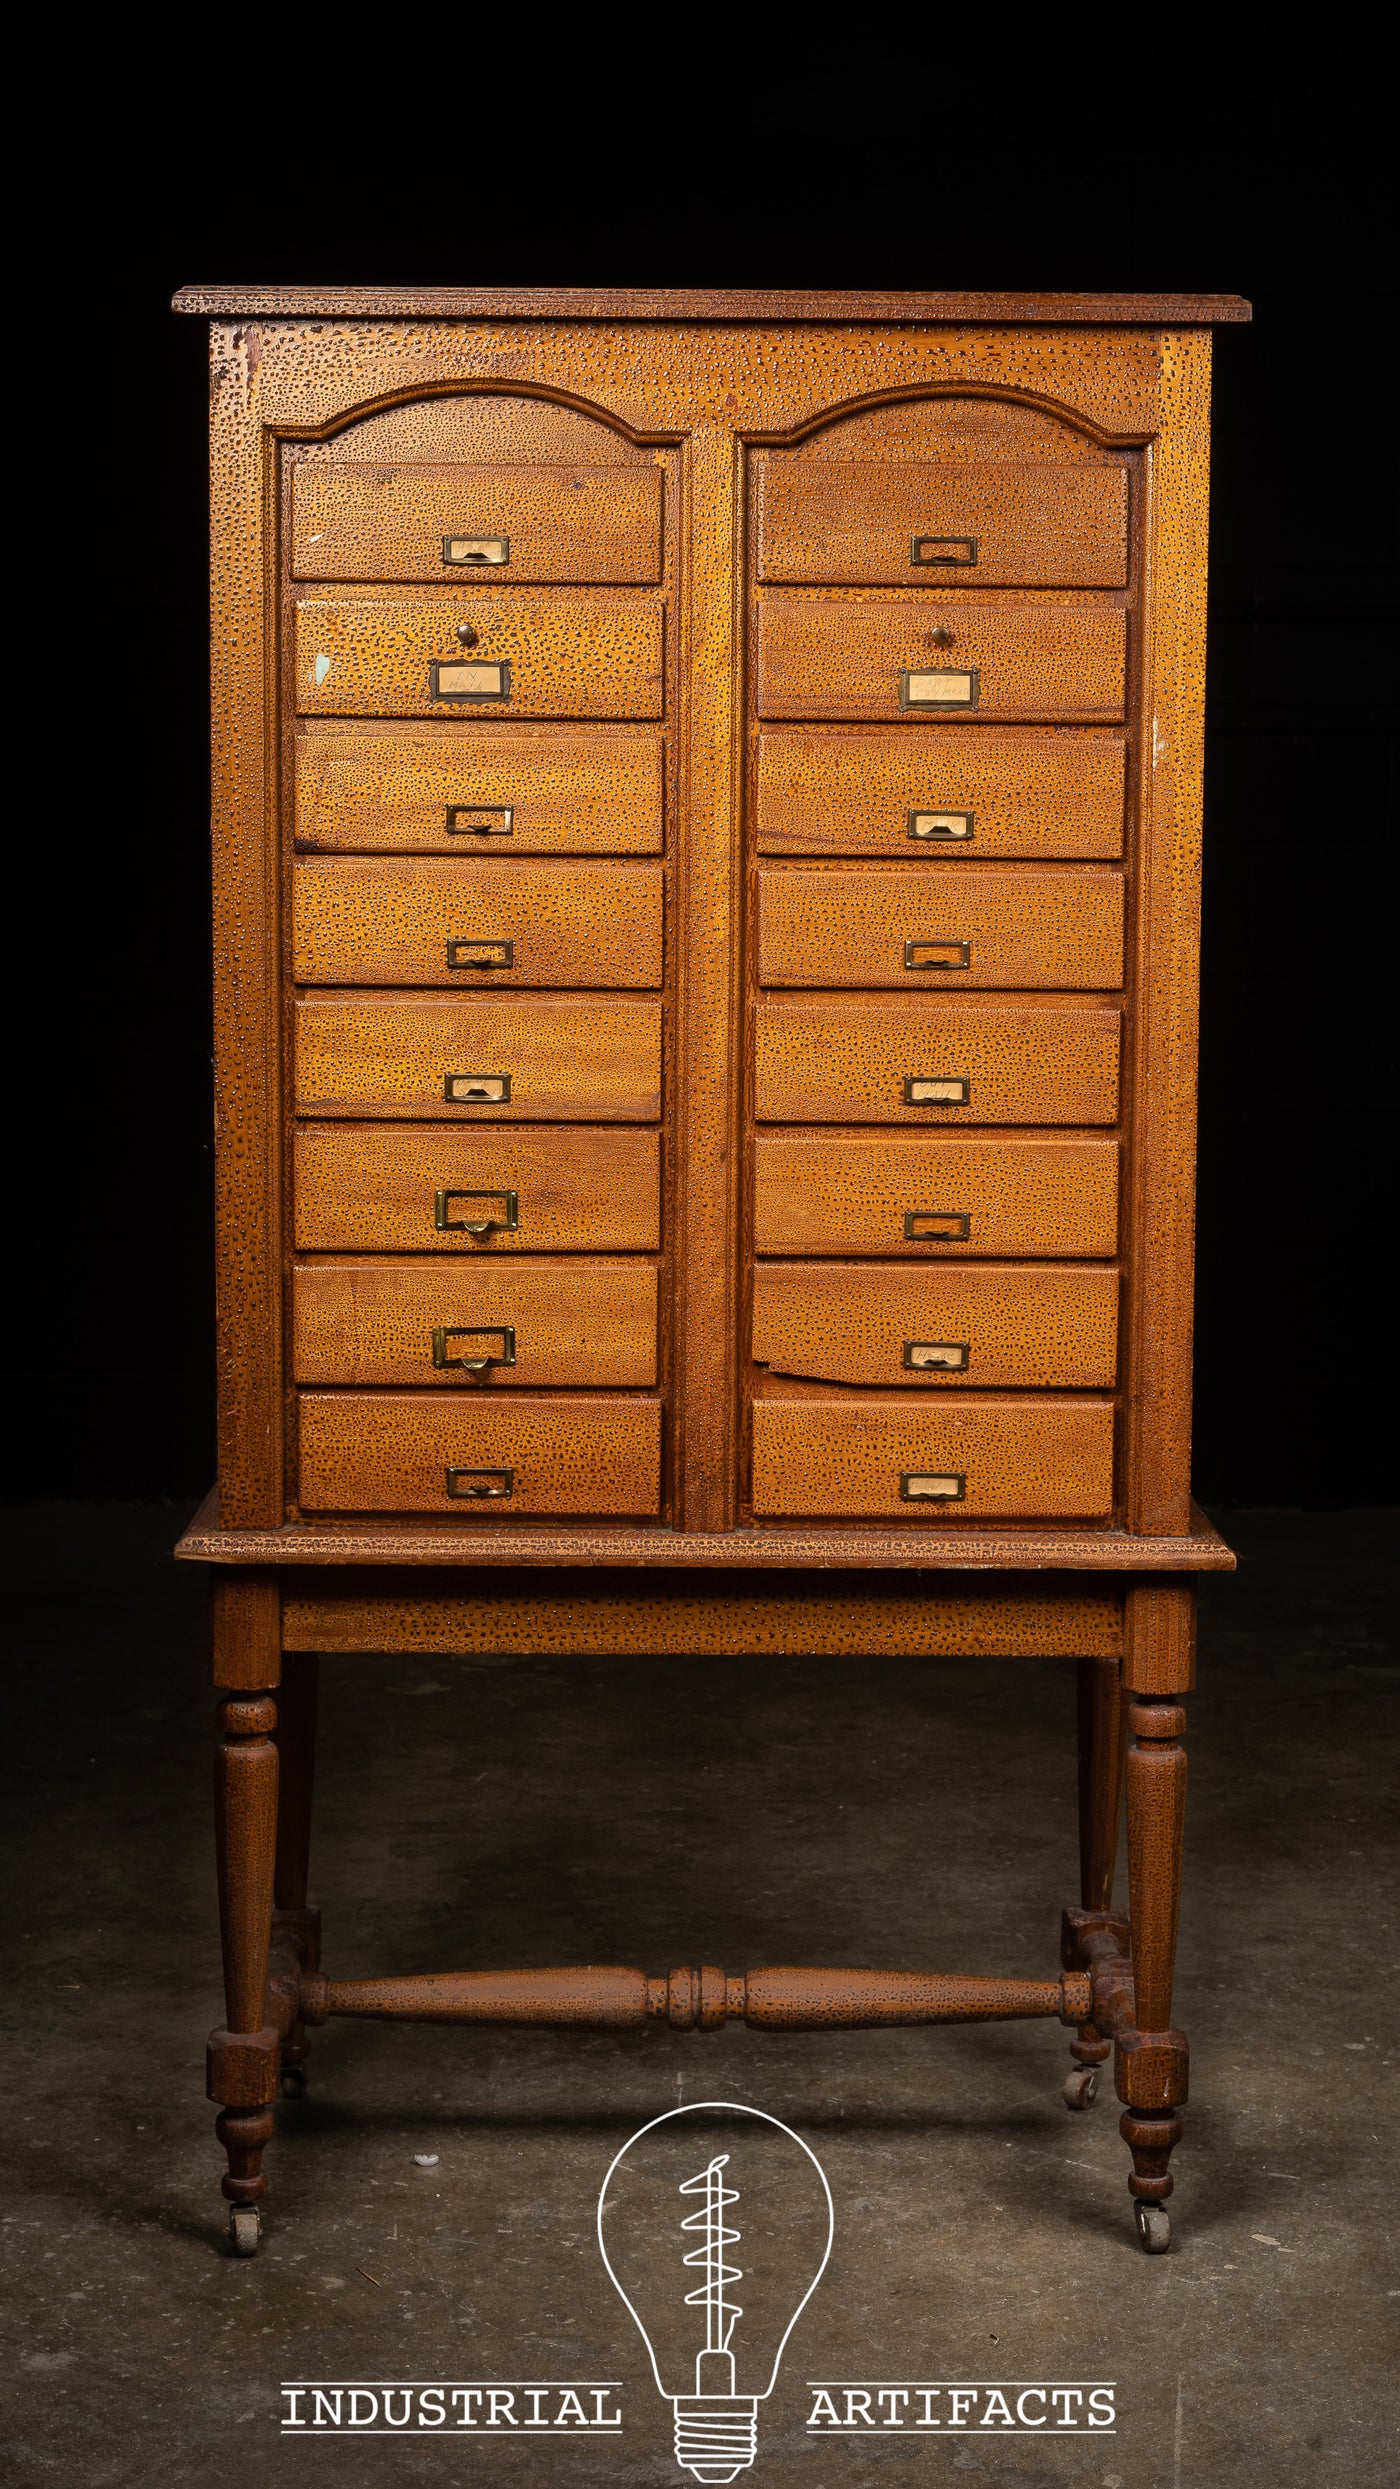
(714, 2365)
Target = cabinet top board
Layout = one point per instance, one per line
(582, 302)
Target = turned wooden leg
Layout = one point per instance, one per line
(1101, 1732)
(296, 1925)
(1152, 2059)
(243, 2054)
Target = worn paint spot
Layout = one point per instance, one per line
(321, 669)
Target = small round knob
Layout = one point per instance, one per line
(467, 636)
(940, 636)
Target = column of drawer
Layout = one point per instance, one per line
(937, 1334)
(478, 906)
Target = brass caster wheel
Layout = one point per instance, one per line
(244, 2229)
(293, 2082)
(1154, 2228)
(1082, 2087)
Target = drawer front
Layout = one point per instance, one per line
(904, 1458)
(522, 1325)
(553, 654)
(450, 523)
(1057, 928)
(476, 1193)
(488, 790)
(933, 1200)
(997, 524)
(437, 922)
(980, 1328)
(839, 657)
(1050, 793)
(505, 1062)
(940, 1063)
(397, 1451)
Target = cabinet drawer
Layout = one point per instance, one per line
(490, 790)
(911, 1457)
(390, 1191)
(1030, 657)
(551, 654)
(947, 1062)
(980, 1327)
(936, 1199)
(449, 523)
(1055, 792)
(973, 928)
(523, 1325)
(436, 922)
(505, 1061)
(994, 524)
(397, 1452)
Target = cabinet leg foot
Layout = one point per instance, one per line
(244, 2053)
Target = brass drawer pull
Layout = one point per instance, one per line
(477, 1088)
(442, 1202)
(502, 1331)
(481, 1482)
(932, 1486)
(931, 825)
(934, 954)
(458, 952)
(469, 678)
(481, 820)
(936, 1356)
(939, 687)
(929, 1226)
(943, 552)
(937, 1089)
(470, 552)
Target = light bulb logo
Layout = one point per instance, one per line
(732, 2199)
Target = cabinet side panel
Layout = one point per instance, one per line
(247, 1021)
(1166, 968)
(708, 997)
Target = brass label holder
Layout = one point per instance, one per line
(475, 552)
(956, 827)
(937, 1089)
(462, 944)
(477, 1088)
(936, 1356)
(943, 552)
(480, 821)
(481, 1483)
(444, 1197)
(934, 953)
(932, 1486)
(469, 678)
(939, 687)
(953, 1227)
(502, 1331)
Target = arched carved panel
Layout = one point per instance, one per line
(957, 490)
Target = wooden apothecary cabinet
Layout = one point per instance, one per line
(706, 829)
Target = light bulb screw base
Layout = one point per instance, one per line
(716, 2434)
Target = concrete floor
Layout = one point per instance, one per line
(737, 1813)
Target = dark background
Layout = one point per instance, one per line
(109, 1052)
